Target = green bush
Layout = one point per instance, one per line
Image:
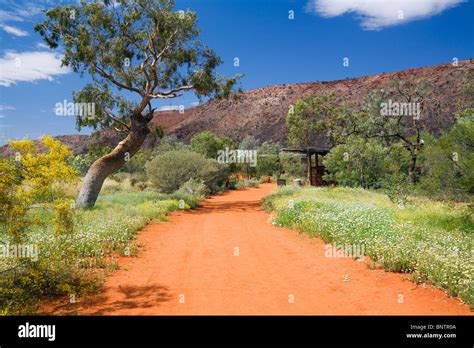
(170, 170)
(363, 163)
(195, 188)
(170, 143)
(136, 164)
(190, 200)
(247, 183)
(82, 162)
(267, 163)
(449, 161)
(292, 166)
(208, 144)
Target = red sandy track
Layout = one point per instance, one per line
(193, 255)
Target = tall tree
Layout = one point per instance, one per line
(135, 51)
(399, 113)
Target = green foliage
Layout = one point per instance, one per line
(195, 188)
(292, 165)
(268, 163)
(363, 163)
(170, 170)
(82, 162)
(208, 144)
(398, 188)
(449, 161)
(31, 199)
(249, 143)
(136, 164)
(170, 143)
(31, 180)
(431, 240)
(146, 48)
(241, 184)
(74, 264)
(307, 119)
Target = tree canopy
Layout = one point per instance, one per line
(142, 47)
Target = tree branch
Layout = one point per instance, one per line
(113, 80)
(171, 93)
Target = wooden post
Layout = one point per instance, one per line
(308, 156)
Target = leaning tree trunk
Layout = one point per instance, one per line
(112, 162)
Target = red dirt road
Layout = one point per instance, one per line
(225, 258)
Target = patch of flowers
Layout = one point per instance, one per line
(399, 241)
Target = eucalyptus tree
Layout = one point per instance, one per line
(135, 51)
(399, 113)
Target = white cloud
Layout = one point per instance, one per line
(19, 11)
(6, 107)
(42, 45)
(14, 31)
(376, 14)
(29, 66)
(169, 108)
(8, 16)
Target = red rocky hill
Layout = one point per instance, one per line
(262, 112)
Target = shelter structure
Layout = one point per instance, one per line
(312, 156)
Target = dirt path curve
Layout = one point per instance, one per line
(192, 259)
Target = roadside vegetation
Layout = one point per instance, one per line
(403, 195)
(409, 219)
(432, 240)
(53, 249)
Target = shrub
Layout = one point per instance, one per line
(136, 164)
(267, 163)
(247, 183)
(449, 160)
(208, 144)
(170, 143)
(195, 188)
(31, 198)
(398, 187)
(170, 170)
(292, 166)
(82, 162)
(357, 163)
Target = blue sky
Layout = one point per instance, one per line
(271, 45)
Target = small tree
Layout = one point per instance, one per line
(31, 180)
(208, 144)
(141, 47)
(306, 121)
(363, 162)
(449, 160)
(249, 143)
(401, 126)
(268, 162)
